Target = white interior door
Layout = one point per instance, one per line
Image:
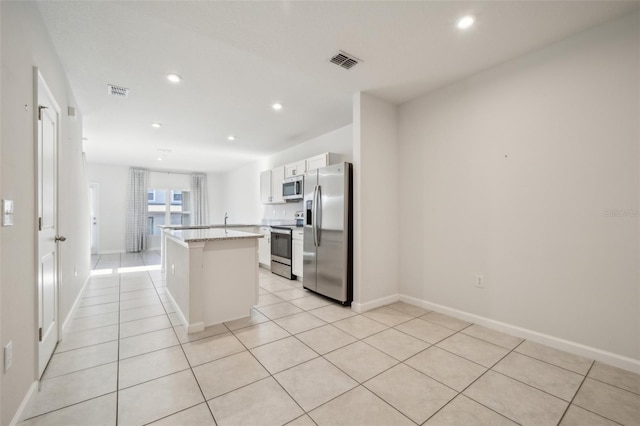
(48, 114)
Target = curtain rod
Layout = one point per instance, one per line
(175, 172)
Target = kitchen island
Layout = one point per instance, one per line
(166, 229)
(212, 275)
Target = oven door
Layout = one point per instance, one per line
(281, 246)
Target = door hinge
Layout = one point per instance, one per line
(39, 224)
(40, 108)
(40, 334)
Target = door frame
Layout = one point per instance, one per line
(38, 79)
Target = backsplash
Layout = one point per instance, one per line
(281, 211)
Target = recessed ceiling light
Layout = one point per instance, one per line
(174, 78)
(231, 138)
(465, 22)
(277, 106)
(159, 158)
(156, 125)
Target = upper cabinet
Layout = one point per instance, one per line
(271, 186)
(271, 180)
(318, 161)
(265, 187)
(295, 169)
(277, 176)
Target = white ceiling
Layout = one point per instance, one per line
(239, 57)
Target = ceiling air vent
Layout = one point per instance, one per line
(117, 91)
(345, 60)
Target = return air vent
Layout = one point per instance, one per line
(117, 91)
(345, 60)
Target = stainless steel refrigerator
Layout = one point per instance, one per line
(328, 232)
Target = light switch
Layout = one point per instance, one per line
(7, 212)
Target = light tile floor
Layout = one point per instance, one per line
(300, 359)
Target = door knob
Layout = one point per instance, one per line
(60, 238)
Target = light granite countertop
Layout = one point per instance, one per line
(211, 226)
(211, 234)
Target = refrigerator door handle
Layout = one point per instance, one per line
(313, 218)
(318, 214)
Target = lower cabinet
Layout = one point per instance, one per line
(297, 249)
(264, 246)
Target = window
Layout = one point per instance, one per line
(166, 207)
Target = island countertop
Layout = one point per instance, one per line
(214, 225)
(211, 234)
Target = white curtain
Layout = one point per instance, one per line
(137, 210)
(199, 199)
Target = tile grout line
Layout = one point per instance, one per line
(118, 352)
(584, 379)
(305, 413)
(476, 379)
(564, 413)
(193, 374)
(358, 384)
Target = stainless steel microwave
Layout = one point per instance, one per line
(293, 188)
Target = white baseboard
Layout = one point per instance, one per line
(23, 404)
(610, 358)
(66, 321)
(367, 306)
(179, 312)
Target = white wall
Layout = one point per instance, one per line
(376, 210)
(216, 190)
(25, 44)
(112, 181)
(1, 126)
(241, 187)
(511, 174)
(169, 180)
(241, 195)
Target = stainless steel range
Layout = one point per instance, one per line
(281, 251)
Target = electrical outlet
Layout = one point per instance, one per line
(75, 271)
(480, 281)
(8, 356)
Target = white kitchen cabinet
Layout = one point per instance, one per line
(271, 186)
(318, 161)
(277, 176)
(264, 246)
(297, 249)
(265, 187)
(295, 169)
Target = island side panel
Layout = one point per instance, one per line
(197, 294)
(177, 277)
(230, 279)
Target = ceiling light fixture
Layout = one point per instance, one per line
(231, 138)
(174, 78)
(156, 125)
(465, 22)
(277, 106)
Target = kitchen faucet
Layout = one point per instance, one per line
(226, 216)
